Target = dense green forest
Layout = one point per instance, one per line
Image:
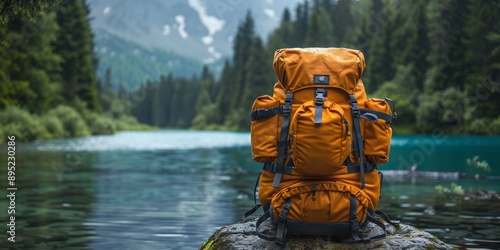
(48, 83)
(439, 60)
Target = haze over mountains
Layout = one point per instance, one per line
(144, 39)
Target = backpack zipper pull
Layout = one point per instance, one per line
(314, 191)
(348, 133)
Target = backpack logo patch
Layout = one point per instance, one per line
(321, 79)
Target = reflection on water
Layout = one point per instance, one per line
(453, 219)
(49, 213)
(138, 196)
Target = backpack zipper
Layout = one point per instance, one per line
(348, 133)
(313, 191)
(290, 138)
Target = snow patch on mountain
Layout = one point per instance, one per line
(166, 30)
(271, 14)
(182, 25)
(212, 23)
(106, 10)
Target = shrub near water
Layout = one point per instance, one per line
(53, 127)
(21, 124)
(62, 122)
(73, 124)
(100, 124)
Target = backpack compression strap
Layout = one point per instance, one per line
(358, 139)
(282, 143)
(265, 113)
(319, 99)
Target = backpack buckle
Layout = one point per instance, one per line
(355, 111)
(320, 96)
(287, 108)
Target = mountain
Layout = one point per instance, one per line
(191, 30)
(132, 64)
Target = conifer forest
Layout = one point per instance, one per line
(439, 60)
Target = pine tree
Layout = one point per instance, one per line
(75, 45)
(417, 42)
(282, 36)
(482, 77)
(223, 101)
(34, 65)
(378, 53)
(300, 24)
(342, 21)
(320, 30)
(256, 83)
(242, 48)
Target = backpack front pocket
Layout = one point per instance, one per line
(322, 204)
(319, 149)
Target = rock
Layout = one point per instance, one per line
(243, 236)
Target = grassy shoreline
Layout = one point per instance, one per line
(62, 122)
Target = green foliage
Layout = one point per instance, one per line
(53, 127)
(439, 60)
(73, 123)
(454, 190)
(19, 9)
(477, 164)
(494, 127)
(406, 98)
(21, 124)
(75, 45)
(100, 124)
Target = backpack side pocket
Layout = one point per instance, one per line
(377, 135)
(264, 130)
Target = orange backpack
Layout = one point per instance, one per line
(320, 140)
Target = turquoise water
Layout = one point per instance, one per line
(172, 189)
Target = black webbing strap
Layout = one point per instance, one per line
(259, 222)
(282, 143)
(386, 218)
(381, 175)
(319, 99)
(271, 167)
(356, 238)
(353, 207)
(378, 223)
(358, 139)
(281, 233)
(368, 167)
(255, 188)
(257, 206)
(380, 115)
(250, 212)
(353, 222)
(265, 113)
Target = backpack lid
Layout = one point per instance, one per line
(335, 67)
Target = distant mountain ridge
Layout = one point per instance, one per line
(132, 64)
(198, 30)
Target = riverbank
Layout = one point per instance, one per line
(63, 122)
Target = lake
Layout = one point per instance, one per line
(171, 189)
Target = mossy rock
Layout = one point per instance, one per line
(243, 236)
